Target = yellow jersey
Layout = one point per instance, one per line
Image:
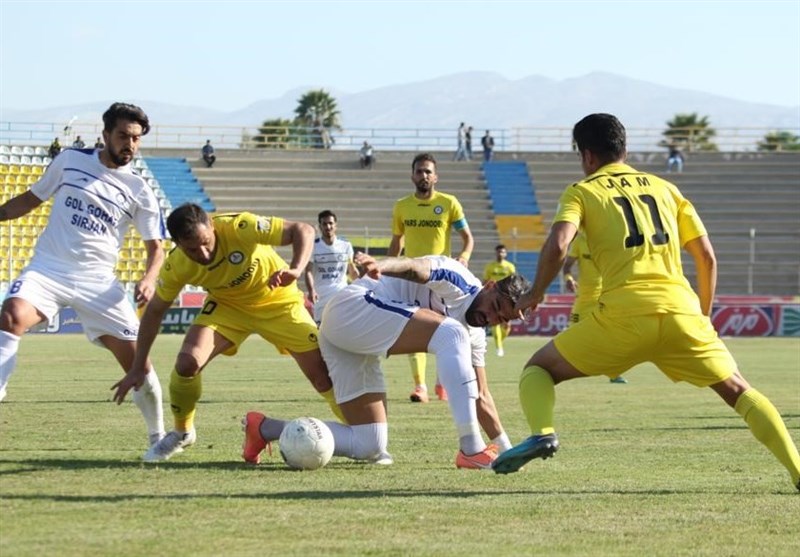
(425, 223)
(590, 285)
(635, 225)
(498, 270)
(243, 262)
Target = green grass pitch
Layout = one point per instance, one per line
(647, 468)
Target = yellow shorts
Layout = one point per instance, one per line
(288, 325)
(683, 347)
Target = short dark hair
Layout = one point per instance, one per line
(513, 287)
(423, 157)
(499, 246)
(125, 111)
(602, 134)
(325, 214)
(184, 219)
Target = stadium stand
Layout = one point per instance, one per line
(18, 237)
(176, 179)
(516, 213)
(298, 185)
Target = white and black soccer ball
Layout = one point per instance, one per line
(306, 444)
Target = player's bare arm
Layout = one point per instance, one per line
(308, 275)
(301, 237)
(149, 327)
(551, 260)
(411, 269)
(469, 245)
(569, 281)
(19, 206)
(146, 287)
(395, 246)
(705, 263)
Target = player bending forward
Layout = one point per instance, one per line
(402, 306)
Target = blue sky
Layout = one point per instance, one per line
(228, 54)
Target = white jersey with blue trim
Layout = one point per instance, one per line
(93, 207)
(330, 263)
(449, 291)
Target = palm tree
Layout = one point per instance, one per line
(318, 106)
(689, 133)
(276, 134)
(779, 141)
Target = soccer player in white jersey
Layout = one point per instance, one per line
(330, 266)
(401, 306)
(96, 197)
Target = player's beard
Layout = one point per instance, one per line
(119, 158)
(424, 187)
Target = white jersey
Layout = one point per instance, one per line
(449, 291)
(330, 269)
(93, 207)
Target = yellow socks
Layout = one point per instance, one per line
(184, 392)
(499, 332)
(419, 362)
(329, 398)
(537, 395)
(767, 426)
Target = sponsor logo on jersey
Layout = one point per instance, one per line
(263, 224)
(312, 337)
(242, 224)
(236, 257)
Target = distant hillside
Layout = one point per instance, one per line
(485, 100)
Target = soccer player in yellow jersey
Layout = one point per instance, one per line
(421, 224)
(497, 270)
(590, 287)
(635, 224)
(251, 290)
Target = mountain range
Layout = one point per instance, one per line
(485, 100)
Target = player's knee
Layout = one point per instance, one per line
(187, 365)
(449, 334)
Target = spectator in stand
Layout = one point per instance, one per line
(366, 155)
(99, 144)
(487, 142)
(461, 149)
(54, 149)
(675, 159)
(78, 143)
(208, 154)
(468, 143)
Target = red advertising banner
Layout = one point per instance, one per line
(751, 316)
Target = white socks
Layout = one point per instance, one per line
(9, 345)
(148, 400)
(451, 344)
(359, 442)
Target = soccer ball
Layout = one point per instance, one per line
(306, 444)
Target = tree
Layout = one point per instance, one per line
(689, 133)
(779, 141)
(276, 134)
(318, 108)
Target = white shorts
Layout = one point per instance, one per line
(101, 304)
(357, 330)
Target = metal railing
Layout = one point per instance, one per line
(522, 139)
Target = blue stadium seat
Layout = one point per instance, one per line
(178, 182)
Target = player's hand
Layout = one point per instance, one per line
(283, 277)
(132, 380)
(527, 304)
(143, 292)
(367, 264)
